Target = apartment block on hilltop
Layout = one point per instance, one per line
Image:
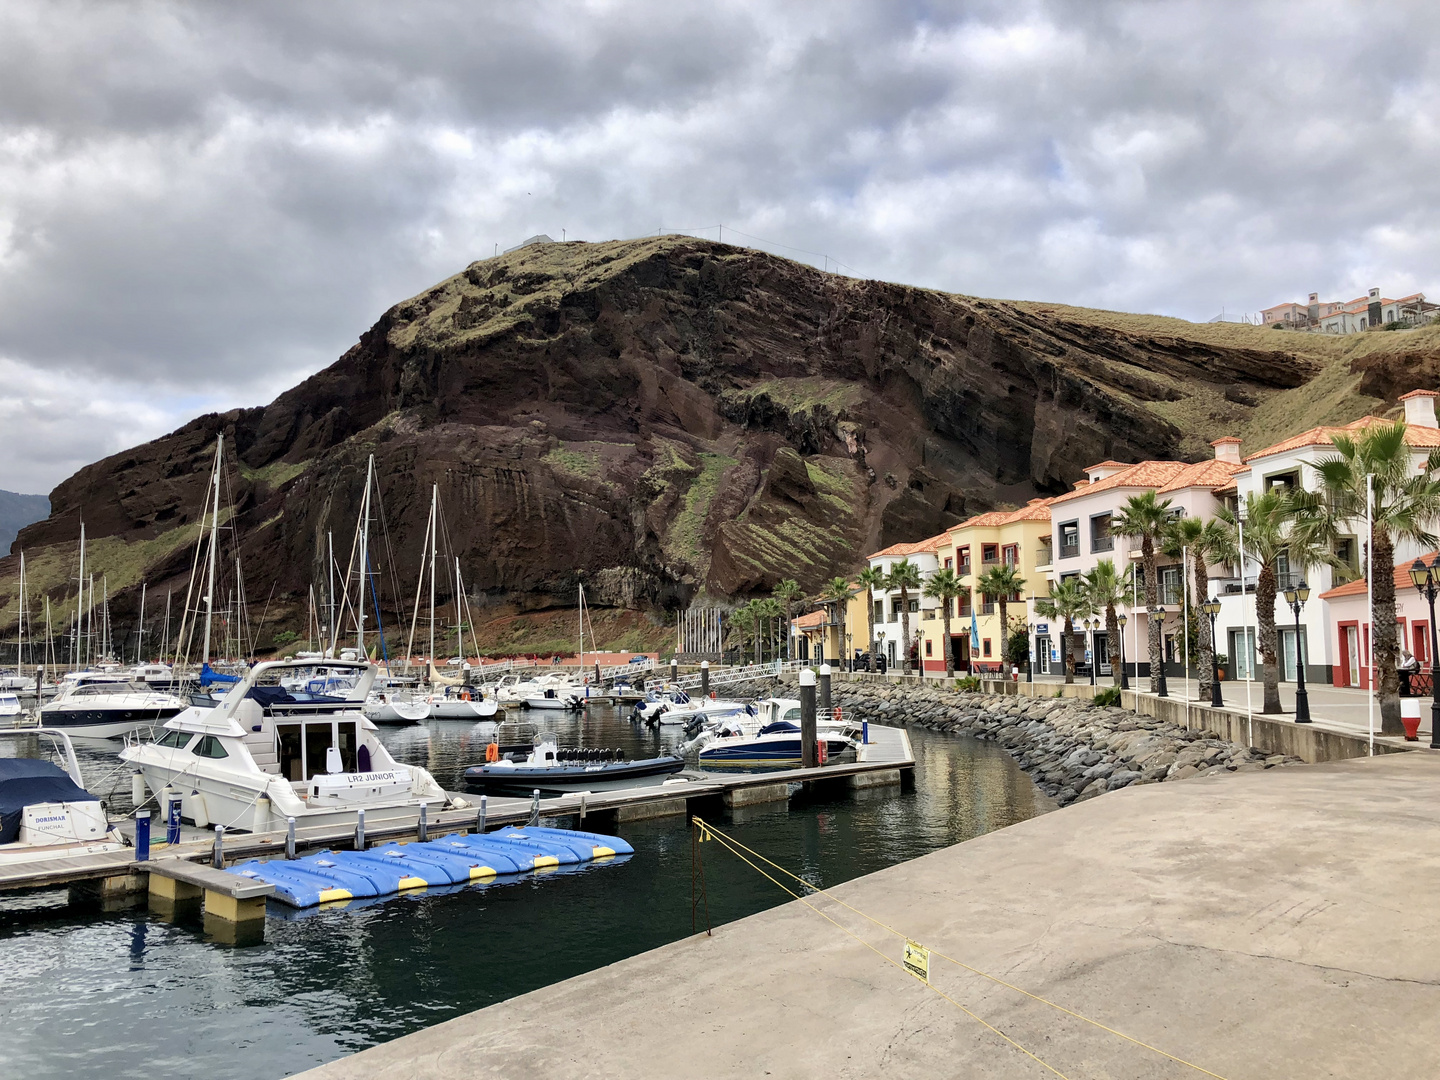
(1351, 316)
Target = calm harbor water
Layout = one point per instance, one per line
(124, 994)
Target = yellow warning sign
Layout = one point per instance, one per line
(917, 961)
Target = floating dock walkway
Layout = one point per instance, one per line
(887, 760)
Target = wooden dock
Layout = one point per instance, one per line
(884, 761)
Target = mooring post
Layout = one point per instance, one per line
(534, 808)
(218, 858)
(807, 719)
(704, 678)
(142, 835)
(825, 692)
(423, 832)
(583, 794)
(290, 838)
(480, 817)
(674, 669)
(359, 830)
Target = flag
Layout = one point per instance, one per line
(974, 633)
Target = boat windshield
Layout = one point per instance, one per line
(117, 687)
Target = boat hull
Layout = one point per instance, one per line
(458, 709)
(104, 723)
(773, 752)
(599, 776)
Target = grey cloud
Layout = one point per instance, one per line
(201, 202)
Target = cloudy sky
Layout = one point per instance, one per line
(202, 203)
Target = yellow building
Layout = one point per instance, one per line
(1019, 538)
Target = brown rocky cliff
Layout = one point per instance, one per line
(659, 418)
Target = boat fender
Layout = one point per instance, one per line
(492, 753)
(195, 804)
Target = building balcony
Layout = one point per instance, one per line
(1042, 557)
(1069, 551)
(1102, 543)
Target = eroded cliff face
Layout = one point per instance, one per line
(661, 418)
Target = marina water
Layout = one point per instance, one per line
(125, 994)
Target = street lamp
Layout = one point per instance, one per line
(883, 661)
(1212, 609)
(1158, 614)
(1425, 580)
(1120, 621)
(1031, 645)
(1296, 596)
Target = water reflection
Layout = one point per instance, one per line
(126, 994)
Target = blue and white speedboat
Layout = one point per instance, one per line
(664, 708)
(775, 744)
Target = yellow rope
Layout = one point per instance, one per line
(888, 959)
(710, 829)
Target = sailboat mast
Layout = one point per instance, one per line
(165, 642)
(364, 556)
(459, 620)
(434, 506)
(582, 631)
(140, 635)
(20, 643)
(330, 577)
(214, 550)
(80, 602)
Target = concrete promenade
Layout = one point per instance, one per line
(1268, 924)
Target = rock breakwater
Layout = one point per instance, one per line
(1072, 749)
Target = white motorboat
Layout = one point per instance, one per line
(461, 703)
(674, 707)
(10, 707)
(565, 696)
(774, 745)
(45, 811)
(102, 705)
(265, 754)
(392, 707)
(162, 674)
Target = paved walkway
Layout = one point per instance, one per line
(1268, 924)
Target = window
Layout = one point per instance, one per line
(174, 739)
(1100, 538)
(210, 747)
(928, 651)
(1069, 539)
(914, 606)
(1170, 585)
(949, 563)
(1283, 480)
(985, 646)
(964, 555)
(989, 553)
(1010, 554)
(879, 611)
(1420, 642)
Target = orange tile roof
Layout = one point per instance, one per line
(1415, 435)
(1212, 473)
(1419, 393)
(1359, 586)
(1108, 465)
(1034, 510)
(815, 618)
(1145, 474)
(932, 544)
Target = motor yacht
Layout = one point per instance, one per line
(553, 769)
(45, 811)
(105, 705)
(10, 707)
(674, 707)
(266, 753)
(462, 703)
(776, 745)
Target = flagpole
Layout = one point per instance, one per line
(1245, 630)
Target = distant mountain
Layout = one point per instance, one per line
(17, 511)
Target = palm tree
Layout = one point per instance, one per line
(837, 591)
(945, 586)
(1270, 535)
(1104, 588)
(1405, 505)
(1146, 518)
(1206, 542)
(872, 577)
(785, 594)
(904, 575)
(1067, 602)
(999, 583)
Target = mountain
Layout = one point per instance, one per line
(671, 418)
(17, 511)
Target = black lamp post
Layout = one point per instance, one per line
(1120, 621)
(1424, 578)
(1296, 597)
(1158, 614)
(1212, 609)
(1030, 652)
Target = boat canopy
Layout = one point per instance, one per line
(209, 675)
(27, 781)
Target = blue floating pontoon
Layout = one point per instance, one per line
(455, 860)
